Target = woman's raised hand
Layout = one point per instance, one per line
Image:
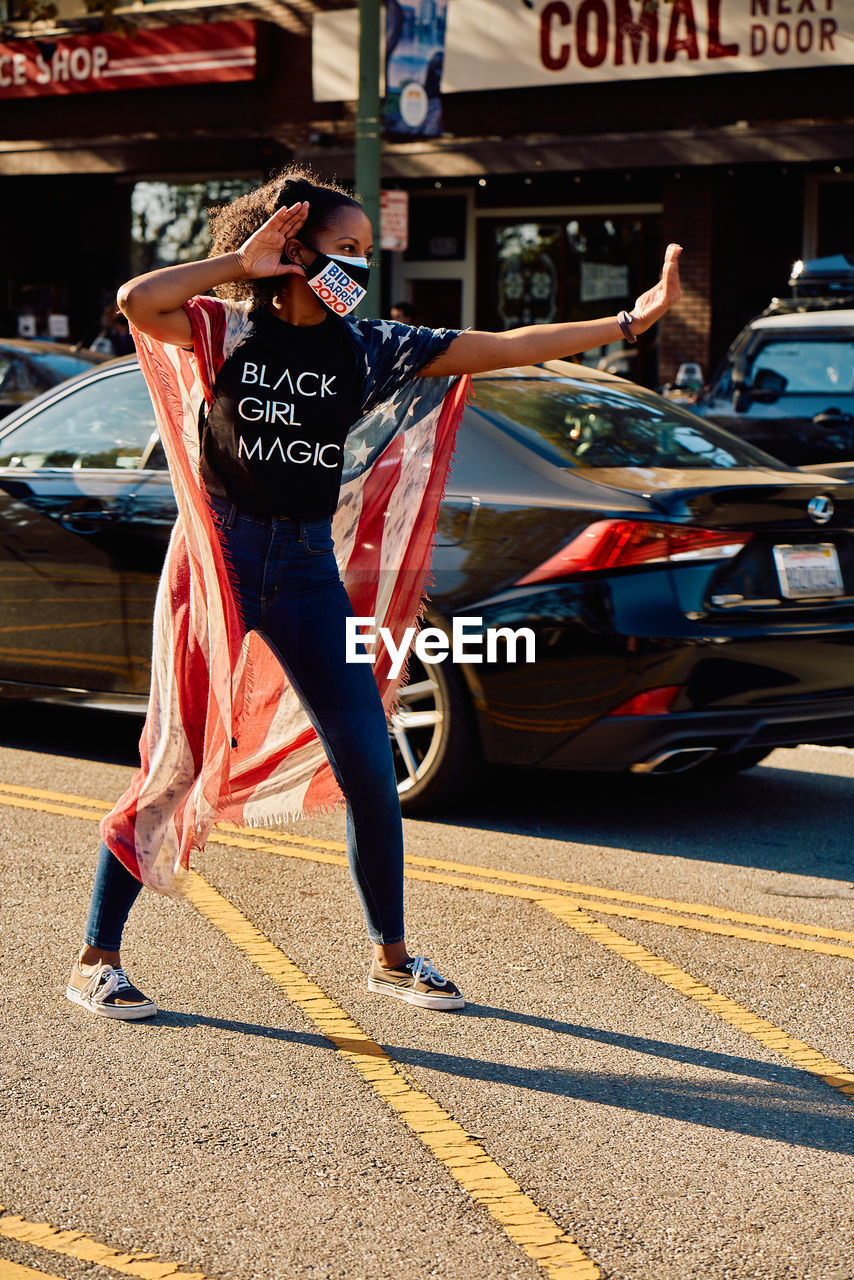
(652, 305)
(260, 255)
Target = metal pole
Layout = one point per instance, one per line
(368, 141)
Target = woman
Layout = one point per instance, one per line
(278, 411)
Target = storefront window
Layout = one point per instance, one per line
(529, 268)
(540, 270)
(169, 220)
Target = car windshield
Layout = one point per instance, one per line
(603, 425)
(809, 365)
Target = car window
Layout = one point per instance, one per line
(23, 378)
(54, 367)
(809, 364)
(606, 426)
(107, 423)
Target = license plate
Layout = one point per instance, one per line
(810, 570)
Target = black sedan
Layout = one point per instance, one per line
(687, 602)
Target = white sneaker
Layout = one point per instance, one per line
(107, 992)
(417, 982)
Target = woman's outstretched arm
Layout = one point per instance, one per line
(155, 301)
(478, 352)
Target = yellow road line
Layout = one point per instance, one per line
(41, 806)
(14, 1271)
(574, 913)
(635, 913)
(286, 845)
(571, 912)
(639, 899)
(74, 1244)
(494, 873)
(767, 1033)
(37, 793)
(263, 845)
(566, 886)
(509, 877)
(434, 1126)
(553, 1249)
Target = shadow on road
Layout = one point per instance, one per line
(745, 1096)
(774, 819)
(770, 818)
(780, 1109)
(83, 734)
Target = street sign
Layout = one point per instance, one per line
(394, 219)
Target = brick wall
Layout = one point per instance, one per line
(688, 219)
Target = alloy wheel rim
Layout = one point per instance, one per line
(415, 727)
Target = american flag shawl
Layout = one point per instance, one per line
(226, 738)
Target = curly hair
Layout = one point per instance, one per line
(232, 224)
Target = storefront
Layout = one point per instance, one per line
(579, 139)
(115, 144)
(78, 236)
(475, 258)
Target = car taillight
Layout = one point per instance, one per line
(619, 544)
(652, 702)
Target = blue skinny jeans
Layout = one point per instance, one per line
(290, 591)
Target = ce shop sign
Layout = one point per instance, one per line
(431, 644)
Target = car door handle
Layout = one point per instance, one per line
(87, 519)
(832, 415)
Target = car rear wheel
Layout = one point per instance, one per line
(432, 737)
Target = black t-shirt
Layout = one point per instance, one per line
(273, 442)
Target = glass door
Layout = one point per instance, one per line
(543, 269)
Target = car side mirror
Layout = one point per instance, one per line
(768, 386)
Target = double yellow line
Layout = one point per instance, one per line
(556, 1252)
(694, 916)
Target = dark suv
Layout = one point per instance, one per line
(787, 382)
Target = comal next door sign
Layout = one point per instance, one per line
(503, 44)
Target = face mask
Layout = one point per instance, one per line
(339, 281)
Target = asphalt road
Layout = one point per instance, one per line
(652, 1079)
